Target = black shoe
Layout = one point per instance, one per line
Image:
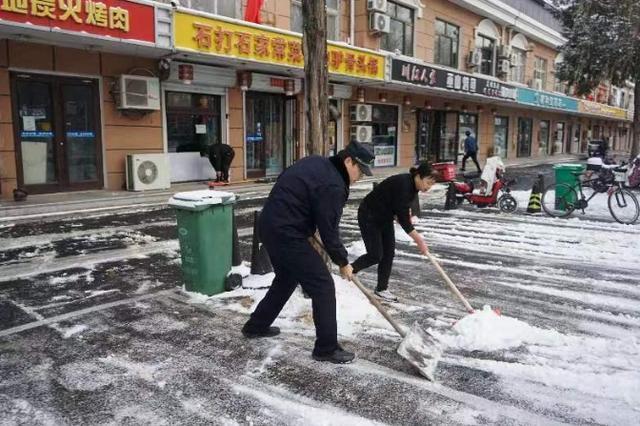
(339, 356)
(254, 334)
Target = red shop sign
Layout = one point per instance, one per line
(114, 18)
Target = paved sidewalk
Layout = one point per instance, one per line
(85, 203)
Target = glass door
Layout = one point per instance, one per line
(57, 133)
(422, 136)
(500, 136)
(265, 137)
(80, 138)
(524, 136)
(445, 132)
(560, 136)
(543, 138)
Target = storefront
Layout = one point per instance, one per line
(440, 132)
(549, 143)
(68, 111)
(195, 114)
(269, 64)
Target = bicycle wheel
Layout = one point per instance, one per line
(559, 200)
(623, 206)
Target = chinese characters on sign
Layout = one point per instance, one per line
(81, 11)
(234, 39)
(547, 100)
(422, 75)
(115, 18)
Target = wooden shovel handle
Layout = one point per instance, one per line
(375, 302)
(451, 285)
(313, 240)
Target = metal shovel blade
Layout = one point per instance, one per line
(422, 350)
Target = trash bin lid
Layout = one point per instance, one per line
(194, 200)
(569, 166)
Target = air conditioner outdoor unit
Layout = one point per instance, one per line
(475, 58)
(379, 22)
(147, 171)
(504, 66)
(138, 92)
(361, 112)
(377, 5)
(504, 52)
(537, 84)
(362, 134)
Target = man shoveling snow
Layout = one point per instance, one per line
(309, 195)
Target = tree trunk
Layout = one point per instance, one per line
(635, 146)
(314, 44)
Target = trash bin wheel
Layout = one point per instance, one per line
(232, 282)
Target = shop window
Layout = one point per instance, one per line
(500, 136)
(447, 40)
(539, 73)
(385, 134)
(193, 121)
(333, 15)
(229, 8)
(543, 138)
(400, 38)
(518, 64)
(487, 46)
(524, 136)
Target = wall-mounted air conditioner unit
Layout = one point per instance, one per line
(504, 52)
(475, 58)
(379, 23)
(504, 65)
(361, 112)
(147, 171)
(537, 84)
(377, 5)
(138, 92)
(362, 134)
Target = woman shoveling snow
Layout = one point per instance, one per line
(391, 198)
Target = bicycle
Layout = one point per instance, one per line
(561, 200)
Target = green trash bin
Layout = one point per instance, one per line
(205, 235)
(566, 173)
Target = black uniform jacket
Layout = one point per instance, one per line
(308, 195)
(392, 197)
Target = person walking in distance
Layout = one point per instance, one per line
(391, 198)
(309, 195)
(470, 150)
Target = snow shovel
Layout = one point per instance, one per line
(419, 347)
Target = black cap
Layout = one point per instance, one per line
(362, 154)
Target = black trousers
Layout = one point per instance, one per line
(380, 241)
(474, 157)
(296, 262)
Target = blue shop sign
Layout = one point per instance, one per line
(546, 100)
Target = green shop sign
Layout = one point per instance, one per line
(546, 100)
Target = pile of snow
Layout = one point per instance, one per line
(487, 331)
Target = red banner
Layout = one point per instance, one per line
(113, 18)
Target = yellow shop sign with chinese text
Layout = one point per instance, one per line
(220, 37)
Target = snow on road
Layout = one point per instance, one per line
(565, 349)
